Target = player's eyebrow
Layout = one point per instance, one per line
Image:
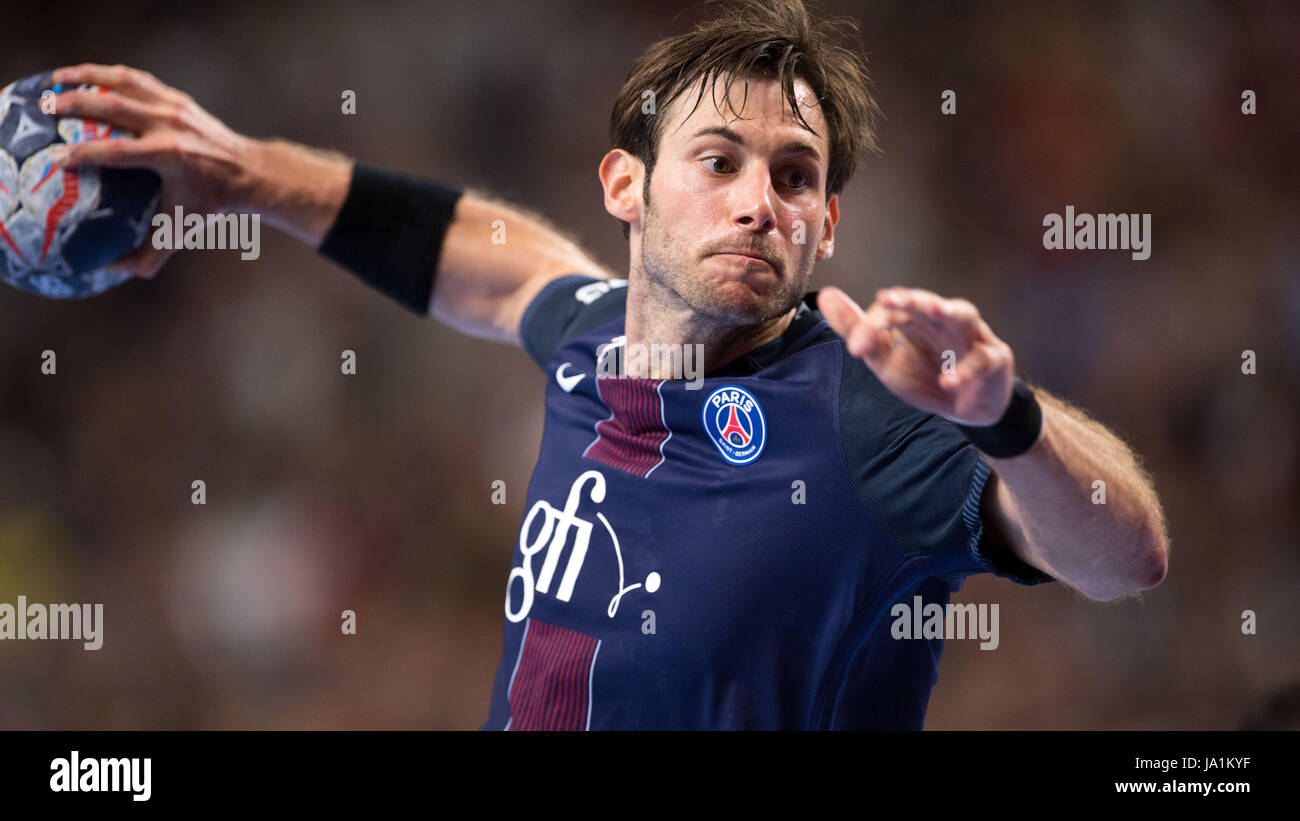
(795, 147)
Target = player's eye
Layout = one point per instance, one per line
(723, 161)
(798, 178)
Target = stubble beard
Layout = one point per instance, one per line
(671, 272)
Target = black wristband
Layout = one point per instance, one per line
(1017, 430)
(389, 233)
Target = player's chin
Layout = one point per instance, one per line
(749, 301)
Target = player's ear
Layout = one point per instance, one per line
(826, 246)
(620, 174)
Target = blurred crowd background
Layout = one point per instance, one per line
(373, 492)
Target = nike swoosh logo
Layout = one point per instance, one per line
(567, 383)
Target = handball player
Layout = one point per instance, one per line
(718, 532)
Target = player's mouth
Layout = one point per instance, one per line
(748, 256)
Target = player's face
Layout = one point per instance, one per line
(737, 211)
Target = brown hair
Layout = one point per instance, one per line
(765, 39)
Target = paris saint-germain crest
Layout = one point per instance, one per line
(734, 421)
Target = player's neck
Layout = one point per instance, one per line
(673, 327)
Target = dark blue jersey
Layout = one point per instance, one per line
(727, 557)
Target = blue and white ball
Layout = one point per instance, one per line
(60, 228)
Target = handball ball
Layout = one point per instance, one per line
(60, 228)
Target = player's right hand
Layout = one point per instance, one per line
(201, 161)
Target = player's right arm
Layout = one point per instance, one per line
(483, 288)
(479, 286)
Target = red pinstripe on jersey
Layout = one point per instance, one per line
(632, 438)
(550, 688)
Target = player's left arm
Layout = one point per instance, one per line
(938, 355)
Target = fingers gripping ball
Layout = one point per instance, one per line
(59, 228)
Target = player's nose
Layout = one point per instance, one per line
(753, 200)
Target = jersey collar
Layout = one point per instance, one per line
(806, 318)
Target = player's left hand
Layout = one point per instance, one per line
(935, 354)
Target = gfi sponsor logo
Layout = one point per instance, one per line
(561, 529)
